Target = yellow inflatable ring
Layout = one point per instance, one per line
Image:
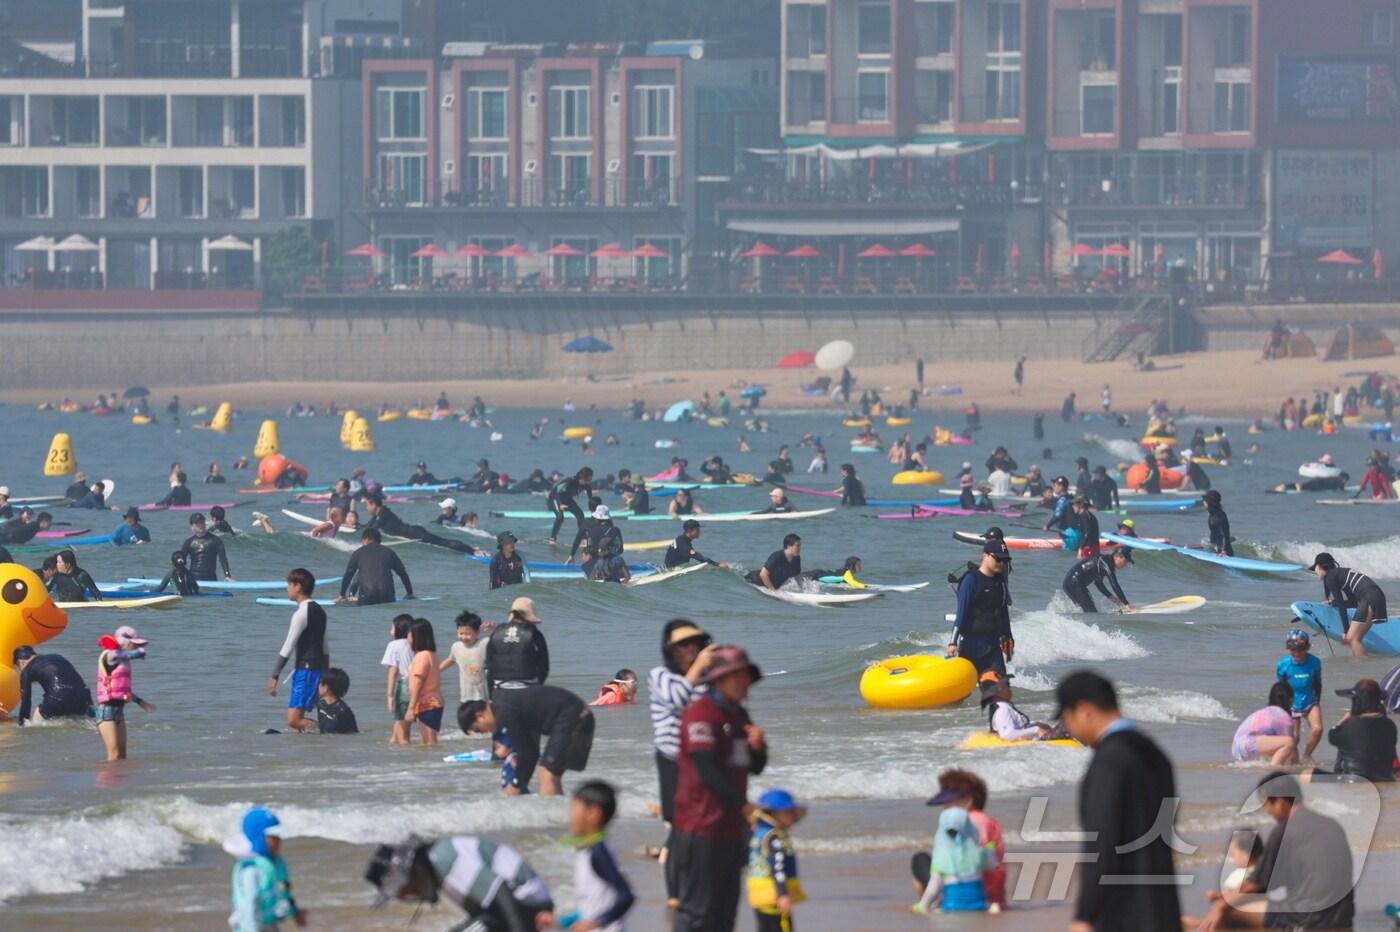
(856, 422)
(577, 433)
(420, 414)
(140, 419)
(390, 416)
(915, 477)
(1153, 441)
(986, 739)
(918, 681)
(1312, 420)
(898, 421)
(717, 421)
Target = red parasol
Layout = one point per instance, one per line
(1116, 251)
(797, 359)
(761, 251)
(514, 251)
(805, 251)
(472, 250)
(648, 251)
(609, 251)
(430, 251)
(367, 249)
(918, 251)
(562, 249)
(1083, 249)
(1340, 257)
(878, 251)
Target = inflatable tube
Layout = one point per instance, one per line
(388, 416)
(867, 448)
(914, 477)
(856, 422)
(1153, 440)
(1312, 420)
(665, 445)
(271, 467)
(420, 414)
(1205, 461)
(980, 740)
(577, 433)
(717, 421)
(1353, 419)
(1319, 471)
(70, 407)
(1137, 475)
(102, 412)
(898, 421)
(140, 419)
(918, 681)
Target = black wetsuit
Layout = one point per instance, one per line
(1346, 588)
(780, 569)
(335, 718)
(1199, 480)
(1219, 525)
(682, 551)
(852, 491)
(1152, 482)
(1222, 448)
(1088, 527)
(5, 556)
(92, 500)
(391, 525)
(84, 580)
(527, 714)
(178, 495)
(76, 491)
(1103, 493)
(65, 588)
(343, 502)
(1004, 461)
(507, 571)
(1097, 571)
(65, 693)
(370, 575)
(205, 554)
(517, 652)
(641, 502)
(784, 507)
(184, 581)
(1322, 484)
(422, 478)
(16, 533)
(983, 620)
(563, 496)
(222, 528)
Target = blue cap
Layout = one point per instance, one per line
(258, 823)
(776, 800)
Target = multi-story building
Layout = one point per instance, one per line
(556, 152)
(159, 143)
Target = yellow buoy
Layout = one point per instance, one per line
(361, 440)
(577, 433)
(223, 418)
(347, 427)
(267, 442)
(61, 461)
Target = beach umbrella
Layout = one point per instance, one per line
(805, 251)
(835, 354)
(562, 250)
(1116, 251)
(229, 243)
(430, 251)
(136, 391)
(760, 251)
(37, 244)
(367, 249)
(1378, 263)
(514, 251)
(918, 251)
(1083, 249)
(878, 251)
(797, 359)
(588, 344)
(80, 243)
(472, 251)
(753, 391)
(1340, 257)
(609, 251)
(648, 251)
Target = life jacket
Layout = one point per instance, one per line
(763, 890)
(610, 694)
(274, 889)
(114, 686)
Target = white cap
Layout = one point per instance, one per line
(966, 465)
(602, 513)
(5, 490)
(448, 503)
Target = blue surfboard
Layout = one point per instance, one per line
(1383, 638)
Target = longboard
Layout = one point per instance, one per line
(1326, 620)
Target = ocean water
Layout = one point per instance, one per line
(79, 835)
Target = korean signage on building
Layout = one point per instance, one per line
(1322, 198)
(1314, 89)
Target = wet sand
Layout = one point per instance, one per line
(1233, 382)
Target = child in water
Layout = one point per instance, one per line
(262, 885)
(774, 888)
(397, 657)
(333, 716)
(114, 688)
(620, 690)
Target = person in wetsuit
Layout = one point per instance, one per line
(682, 550)
(638, 499)
(386, 522)
(1219, 525)
(1100, 571)
(1346, 588)
(67, 565)
(780, 566)
(94, 498)
(605, 545)
(1060, 517)
(65, 693)
(534, 483)
(21, 530)
(1086, 525)
(340, 497)
(1152, 481)
(982, 627)
(60, 586)
(1337, 483)
(1103, 490)
(179, 574)
(179, 493)
(1000, 459)
(421, 476)
(219, 522)
(77, 489)
(852, 489)
(507, 566)
(204, 552)
(369, 576)
(563, 496)
(778, 504)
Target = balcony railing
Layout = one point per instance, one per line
(1185, 190)
(577, 194)
(872, 191)
(860, 110)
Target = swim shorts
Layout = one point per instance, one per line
(569, 749)
(431, 718)
(111, 712)
(400, 698)
(304, 685)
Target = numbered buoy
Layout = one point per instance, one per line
(61, 461)
(347, 427)
(361, 440)
(267, 443)
(223, 418)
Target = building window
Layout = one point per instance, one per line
(651, 112)
(1097, 111)
(1169, 120)
(933, 96)
(243, 196)
(1003, 89)
(293, 191)
(9, 123)
(933, 24)
(293, 120)
(486, 174)
(487, 112)
(87, 186)
(399, 113)
(651, 179)
(569, 116)
(34, 191)
(873, 29)
(1381, 25)
(191, 190)
(806, 97)
(1171, 39)
(74, 121)
(1003, 27)
(401, 180)
(1239, 39)
(806, 31)
(1231, 107)
(569, 179)
(1103, 45)
(873, 103)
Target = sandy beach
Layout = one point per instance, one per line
(1236, 383)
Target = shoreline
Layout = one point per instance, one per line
(1235, 383)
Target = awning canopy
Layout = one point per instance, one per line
(842, 226)
(879, 150)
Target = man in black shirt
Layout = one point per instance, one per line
(65, 693)
(370, 573)
(524, 714)
(778, 504)
(852, 489)
(386, 522)
(1103, 491)
(507, 567)
(421, 476)
(517, 651)
(781, 565)
(21, 530)
(682, 549)
(1099, 571)
(204, 552)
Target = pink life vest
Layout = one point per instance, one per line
(114, 686)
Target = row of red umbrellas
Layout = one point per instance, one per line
(516, 251)
(808, 251)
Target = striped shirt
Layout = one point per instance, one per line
(670, 693)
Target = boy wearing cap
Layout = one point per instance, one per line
(982, 628)
(114, 689)
(774, 888)
(1346, 588)
(262, 885)
(448, 515)
(720, 748)
(507, 567)
(1303, 672)
(131, 531)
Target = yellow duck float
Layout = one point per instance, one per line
(27, 616)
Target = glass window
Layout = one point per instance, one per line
(873, 105)
(569, 179)
(293, 191)
(208, 121)
(1170, 121)
(243, 192)
(1171, 39)
(191, 190)
(1003, 27)
(1003, 89)
(569, 116)
(34, 191)
(651, 179)
(293, 121)
(873, 28)
(933, 94)
(1098, 109)
(399, 113)
(816, 30)
(1382, 27)
(651, 112)
(806, 31)
(1231, 107)
(401, 178)
(8, 123)
(933, 24)
(87, 185)
(488, 113)
(1239, 38)
(486, 174)
(806, 97)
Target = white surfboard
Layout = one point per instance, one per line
(1176, 606)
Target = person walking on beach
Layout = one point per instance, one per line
(1129, 790)
(1019, 374)
(720, 748)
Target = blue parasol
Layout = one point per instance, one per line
(588, 344)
